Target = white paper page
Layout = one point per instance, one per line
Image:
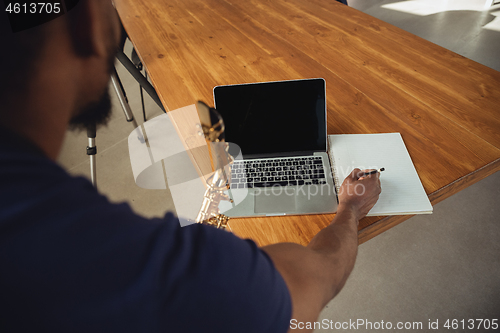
(402, 191)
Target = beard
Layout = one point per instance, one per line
(98, 112)
(94, 114)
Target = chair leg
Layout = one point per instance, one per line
(122, 97)
(127, 63)
(92, 151)
(91, 131)
(142, 98)
(138, 64)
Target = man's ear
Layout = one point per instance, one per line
(88, 29)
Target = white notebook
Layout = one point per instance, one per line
(402, 191)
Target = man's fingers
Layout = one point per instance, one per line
(365, 174)
(356, 174)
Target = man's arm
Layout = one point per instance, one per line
(316, 273)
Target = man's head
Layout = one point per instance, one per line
(58, 73)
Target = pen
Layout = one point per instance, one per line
(372, 172)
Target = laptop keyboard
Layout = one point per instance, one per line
(278, 172)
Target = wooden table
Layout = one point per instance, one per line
(379, 79)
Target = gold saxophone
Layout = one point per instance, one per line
(212, 128)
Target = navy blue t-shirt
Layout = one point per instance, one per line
(70, 261)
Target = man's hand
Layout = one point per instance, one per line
(316, 273)
(359, 193)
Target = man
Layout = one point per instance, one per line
(72, 262)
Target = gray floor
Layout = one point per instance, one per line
(437, 267)
(446, 265)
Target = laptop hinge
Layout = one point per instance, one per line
(274, 155)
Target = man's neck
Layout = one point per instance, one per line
(41, 121)
(49, 142)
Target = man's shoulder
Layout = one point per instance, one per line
(30, 179)
(69, 239)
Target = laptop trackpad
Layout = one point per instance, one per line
(269, 201)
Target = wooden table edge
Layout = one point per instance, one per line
(441, 194)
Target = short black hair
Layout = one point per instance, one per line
(22, 49)
(18, 57)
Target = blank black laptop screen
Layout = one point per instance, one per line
(274, 118)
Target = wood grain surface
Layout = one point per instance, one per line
(379, 79)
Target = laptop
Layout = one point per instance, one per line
(278, 136)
